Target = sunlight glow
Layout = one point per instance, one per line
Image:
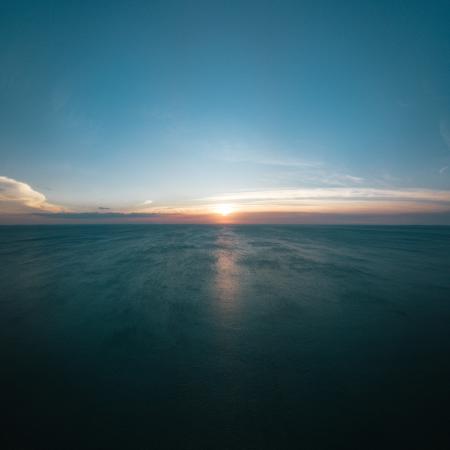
(224, 209)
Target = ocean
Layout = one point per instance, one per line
(224, 337)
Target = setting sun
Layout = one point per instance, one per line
(223, 209)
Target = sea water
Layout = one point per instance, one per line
(224, 337)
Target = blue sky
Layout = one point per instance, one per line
(173, 107)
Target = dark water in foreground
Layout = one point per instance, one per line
(203, 337)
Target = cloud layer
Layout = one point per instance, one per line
(336, 193)
(93, 215)
(338, 200)
(17, 197)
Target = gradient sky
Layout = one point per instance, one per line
(302, 111)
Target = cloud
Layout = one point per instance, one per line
(147, 202)
(94, 215)
(17, 197)
(336, 193)
(102, 208)
(442, 170)
(287, 162)
(332, 179)
(337, 200)
(284, 164)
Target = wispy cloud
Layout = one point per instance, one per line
(442, 170)
(327, 178)
(259, 153)
(93, 215)
(281, 162)
(338, 200)
(312, 173)
(335, 193)
(18, 197)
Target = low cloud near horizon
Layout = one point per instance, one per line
(96, 215)
(17, 197)
(20, 203)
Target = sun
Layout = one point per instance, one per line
(223, 209)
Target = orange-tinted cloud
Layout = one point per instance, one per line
(17, 197)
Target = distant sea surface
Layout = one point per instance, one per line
(224, 337)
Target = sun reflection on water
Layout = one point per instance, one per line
(227, 279)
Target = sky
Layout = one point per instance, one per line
(225, 111)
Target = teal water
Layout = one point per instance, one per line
(224, 337)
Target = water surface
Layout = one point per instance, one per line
(224, 337)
